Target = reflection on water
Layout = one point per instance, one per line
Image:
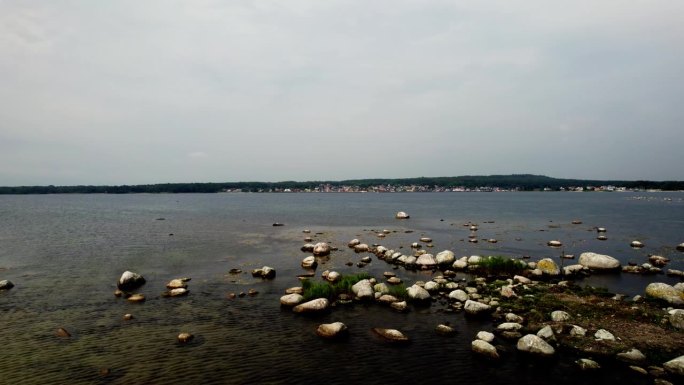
(64, 253)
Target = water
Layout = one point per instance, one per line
(65, 253)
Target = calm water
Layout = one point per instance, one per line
(65, 252)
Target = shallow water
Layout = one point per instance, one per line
(65, 252)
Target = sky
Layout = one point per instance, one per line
(136, 92)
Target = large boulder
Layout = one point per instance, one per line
(445, 257)
(598, 261)
(665, 292)
(675, 366)
(535, 345)
(313, 306)
(484, 348)
(6, 284)
(130, 281)
(417, 293)
(476, 308)
(332, 330)
(321, 249)
(548, 266)
(363, 289)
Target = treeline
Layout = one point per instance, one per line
(524, 182)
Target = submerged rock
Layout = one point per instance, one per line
(391, 335)
(332, 330)
(535, 345)
(484, 348)
(596, 261)
(130, 281)
(316, 305)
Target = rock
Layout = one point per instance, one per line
(234, 271)
(136, 298)
(363, 290)
(445, 330)
(425, 239)
(572, 269)
(402, 215)
(391, 335)
(62, 333)
(387, 299)
(598, 261)
(507, 291)
(394, 281)
(431, 286)
(176, 284)
(426, 261)
(665, 292)
(476, 308)
(6, 284)
(184, 337)
(554, 243)
(548, 267)
(535, 345)
(560, 316)
(546, 333)
(636, 244)
(509, 326)
(511, 317)
(639, 370)
(313, 306)
(128, 317)
(633, 356)
(474, 259)
(353, 243)
(366, 259)
(294, 290)
(309, 262)
(177, 292)
(484, 348)
(459, 295)
(381, 288)
(485, 336)
(680, 247)
(578, 331)
(308, 248)
(460, 264)
(677, 318)
(445, 257)
(675, 366)
(321, 249)
(333, 276)
(399, 306)
(602, 238)
(291, 299)
(658, 260)
(130, 281)
(417, 293)
(361, 248)
(603, 334)
(587, 364)
(265, 273)
(332, 330)
(521, 279)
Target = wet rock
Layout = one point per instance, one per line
(426, 261)
(476, 308)
(459, 295)
(321, 249)
(596, 261)
(178, 292)
(602, 238)
(136, 298)
(309, 262)
(548, 267)
(560, 316)
(577, 331)
(484, 348)
(554, 243)
(639, 370)
(675, 273)
(680, 247)
(460, 264)
(658, 260)
(474, 260)
(677, 318)
(391, 335)
(535, 345)
(633, 356)
(605, 335)
(511, 317)
(485, 336)
(252, 292)
(363, 290)
(381, 288)
(130, 281)
(353, 243)
(185, 337)
(587, 364)
(509, 326)
(387, 299)
(573, 269)
(601, 229)
(313, 306)
(399, 306)
(417, 293)
(234, 271)
(394, 281)
(445, 257)
(176, 284)
(546, 333)
(265, 273)
(332, 330)
(6, 284)
(307, 248)
(636, 244)
(293, 299)
(402, 215)
(128, 317)
(361, 248)
(431, 286)
(332, 276)
(62, 333)
(366, 259)
(445, 330)
(665, 292)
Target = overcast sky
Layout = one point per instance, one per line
(128, 92)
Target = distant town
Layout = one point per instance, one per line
(330, 188)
